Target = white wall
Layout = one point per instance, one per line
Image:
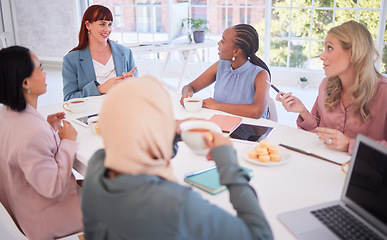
(48, 27)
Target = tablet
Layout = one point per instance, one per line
(253, 133)
(83, 120)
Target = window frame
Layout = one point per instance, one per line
(266, 38)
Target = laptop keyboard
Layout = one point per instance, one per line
(344, 224)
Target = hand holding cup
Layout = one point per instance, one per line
(193, 132)
(193, 104)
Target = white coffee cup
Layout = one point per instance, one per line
(193, 104)
(75, 105)
(192, 132)
(93, 124)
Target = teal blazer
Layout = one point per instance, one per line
(79, 75)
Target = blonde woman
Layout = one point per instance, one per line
(353, 97)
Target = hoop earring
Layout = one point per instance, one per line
(233, 59)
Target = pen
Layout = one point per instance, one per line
(199, 172)
(274, 87)
(307, 153)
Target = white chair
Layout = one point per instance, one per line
(272, 114)
(9, 230)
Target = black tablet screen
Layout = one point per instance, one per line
(252, 133)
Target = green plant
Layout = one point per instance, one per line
(303, 79)
(198, 24)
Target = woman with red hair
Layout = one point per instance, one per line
(97, 63)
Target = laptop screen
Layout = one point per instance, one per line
(367, 186)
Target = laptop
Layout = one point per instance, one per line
(363, 201)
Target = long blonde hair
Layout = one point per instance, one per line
(355, 36)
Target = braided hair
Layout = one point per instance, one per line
(246, 38)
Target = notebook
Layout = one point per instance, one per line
(309, 142)
(226, 123)
(364, 198)
(208, 180)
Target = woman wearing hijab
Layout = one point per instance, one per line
(130, 191)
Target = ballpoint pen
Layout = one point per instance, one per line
(274, 87)
(308, 153)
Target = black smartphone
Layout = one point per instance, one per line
(253, 133)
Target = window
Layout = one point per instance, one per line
(291, 32)
(298, 28)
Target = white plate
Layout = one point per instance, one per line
(285, 156)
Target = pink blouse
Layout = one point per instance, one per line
(344, 119)
(37, 186)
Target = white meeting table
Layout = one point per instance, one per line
(300, 182)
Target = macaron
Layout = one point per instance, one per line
(264, 158)
(253, 154)
(272, 149)
(264, 144)
(275, 157)
(261, 151)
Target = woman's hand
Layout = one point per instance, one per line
(104, 88)
(210, 103)
(290, 102)
(185, 96)
(186, 92)
(129, 74)
(333, 138)
(55, 120)
(67, 131)
(214, 140)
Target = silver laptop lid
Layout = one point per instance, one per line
(365, 188)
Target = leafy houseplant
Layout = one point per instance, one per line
(303, 83)
(199, 27)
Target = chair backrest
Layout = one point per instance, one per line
(8, 228)
(272, 114)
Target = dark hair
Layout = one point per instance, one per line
(15, 65)
(246, 38)
(92, 14)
